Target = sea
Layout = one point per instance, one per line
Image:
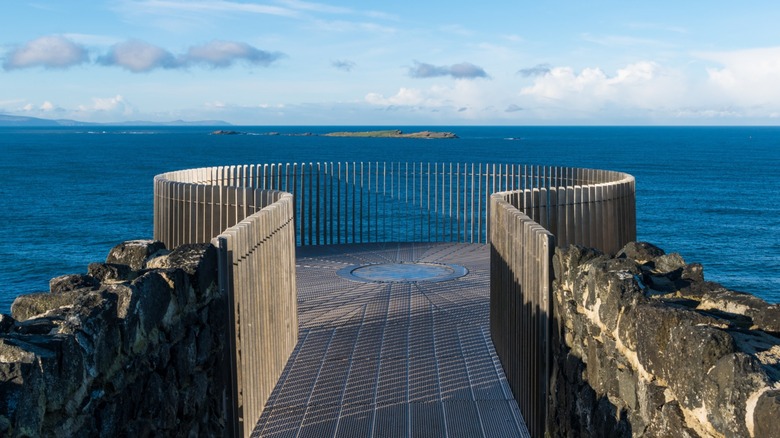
(69, 194)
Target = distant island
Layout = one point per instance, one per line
(392, 133)
(388, 133)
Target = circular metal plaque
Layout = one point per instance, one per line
(402, 272)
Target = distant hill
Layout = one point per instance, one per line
(21, 121)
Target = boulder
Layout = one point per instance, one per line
(640, 252)
(766, 412)
(135, 253)
(111, 272)
(69, 283)
(30, 305)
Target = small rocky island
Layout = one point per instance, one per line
(393, 133)
(389, 133)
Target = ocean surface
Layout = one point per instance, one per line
(67, 195)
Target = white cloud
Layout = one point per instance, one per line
(743, 86)
(643, 85)
(138, 56)
(47, 106)
(53, 51)
(449, 99)
(746, 77)
(404, 97)
(116, 105)
(225, 53)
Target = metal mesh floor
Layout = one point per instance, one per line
(392, 359)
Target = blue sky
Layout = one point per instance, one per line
(291, 62)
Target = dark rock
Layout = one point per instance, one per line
(767, 318)
(697, 349)
(627, 387)
(198, 260)
(135, 253)
(765, 415)
(668, 263)
(644, 346)
(110, 272)
(74, 282)
(640, 252)
(614, 284)
(727, 387)
(185, 355)
(693, 272)
(204, 346)
(6, 323)
(37, 326)
(27, 306)
(567, 261)
(153, 296)
(670, 423)
(129, 356)
(658, 333)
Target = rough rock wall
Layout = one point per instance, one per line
(646, 347)
(133, 348)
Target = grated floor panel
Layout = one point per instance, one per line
(392, 359)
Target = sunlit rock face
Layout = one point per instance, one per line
(646, 347)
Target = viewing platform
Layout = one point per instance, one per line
(356, 350)
(403, 350)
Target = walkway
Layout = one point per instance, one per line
(384, 357)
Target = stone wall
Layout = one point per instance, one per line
(645, 347)
(132, 348)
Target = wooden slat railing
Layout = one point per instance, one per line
(256, 268)
(593, 208)
(266, 209)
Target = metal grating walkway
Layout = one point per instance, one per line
(392, 359)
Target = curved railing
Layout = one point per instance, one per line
(521, 210)
(253, 232)
(594, 208)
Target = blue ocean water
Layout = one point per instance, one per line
(68, 195)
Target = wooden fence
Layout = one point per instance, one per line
(266, 209)
(593, 208)
(256, 273)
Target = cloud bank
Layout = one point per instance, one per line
(463, 70)
(135, 55)
(48, 51)
(139, 56)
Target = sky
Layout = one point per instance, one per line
(347, 62)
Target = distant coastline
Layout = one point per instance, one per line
(7, 120)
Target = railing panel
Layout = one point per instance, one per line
(581, 206)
